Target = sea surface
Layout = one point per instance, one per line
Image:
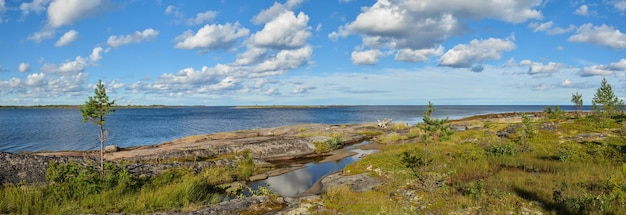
(50, 129)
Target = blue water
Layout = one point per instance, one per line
(28, 130)
(300, 180)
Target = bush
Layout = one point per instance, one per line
(501, 149)
(335, 141)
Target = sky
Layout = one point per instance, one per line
(311, 52)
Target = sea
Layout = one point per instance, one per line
(62, 129)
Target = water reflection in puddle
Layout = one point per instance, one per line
(300, 180)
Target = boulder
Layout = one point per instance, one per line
(111, 148)
(25, 168)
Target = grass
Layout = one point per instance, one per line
(479, 172)
(76, 188)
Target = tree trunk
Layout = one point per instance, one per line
(102, 148)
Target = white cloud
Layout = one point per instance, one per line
(603, 70)
(269, 14)
(285, 31)
(211, 37)
(35, 79)
(566, 82)
(24, 67)
(67, 12)
(369, 57)
(2, 5)
(583, 10)
(292, 4)
(302, 89)
(96, 54)
(41, 35)
(271, 92)
(67, 38)
(547, 27)
(36, 6)
(251, 56)
(426, 24)
(137, 37)
(620, 5)
(477, 51)
(69, 67)
(600, 35)
(202, 18)
(284, 60)
(172, 10)
(540, 68)
(419, 55)
(618, 66)
(594, 71)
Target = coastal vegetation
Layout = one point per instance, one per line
(95, 110)
(78, 188)
(550, 162)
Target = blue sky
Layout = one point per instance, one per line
(351, 52)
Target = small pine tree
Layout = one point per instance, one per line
(577, 99)
(605, 97)
(95, 110)
(434, 129)
(527, 131)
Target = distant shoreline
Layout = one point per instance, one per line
(77, 106)
(286, 106)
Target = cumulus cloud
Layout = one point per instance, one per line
(594, 71)
(137, 37)
(302, 89)
(583, 10)
(600, 35)
(603, 70)
(285, 31)
(212, 37)
(269, 14)
(540, 68)
(36, 79)
(426, 24)
(566, 82)
(69, 67)
(549, 29)
(202, 18)
(41, 35)
(67, 38)
(477, 51)
(96, 54)
(24, 67)
(284, 60)
(36, 6)
(218, 79)
(620, 5)
(368, 57)
(67, 12)
(172, 10)
(419, 55)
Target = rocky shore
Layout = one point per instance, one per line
(269, 146)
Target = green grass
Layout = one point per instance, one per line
(482, 173)
(77, 188)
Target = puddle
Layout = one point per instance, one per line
(300, 180)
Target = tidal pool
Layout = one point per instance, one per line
(300, 180)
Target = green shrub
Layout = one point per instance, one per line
(501, 149)
(335, 141)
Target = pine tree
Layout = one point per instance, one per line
(577, 99)
(605, 97)
(95, 110)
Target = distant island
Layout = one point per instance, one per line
(76, 106)
(287, 106)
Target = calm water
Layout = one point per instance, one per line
(30, 130)
(298, 181)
